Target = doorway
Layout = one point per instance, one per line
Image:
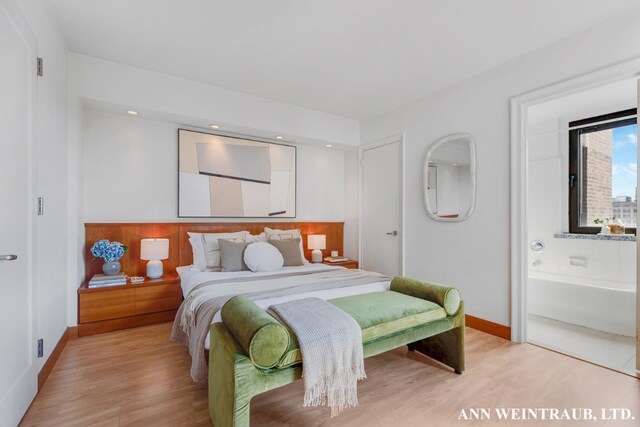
(553, 260)
(381, 241)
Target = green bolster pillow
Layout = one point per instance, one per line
(261, 336)
(446, 297)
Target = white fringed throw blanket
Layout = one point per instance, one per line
(331, 345)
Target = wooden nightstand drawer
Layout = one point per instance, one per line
(106, 305)
(158, 292)
(158, 298)
(109, 309)
(155, 305)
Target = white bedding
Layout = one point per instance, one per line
(190, 278)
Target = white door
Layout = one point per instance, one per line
(382, 209)
(18, 375)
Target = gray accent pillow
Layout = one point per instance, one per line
(290, 250)
(232, 255)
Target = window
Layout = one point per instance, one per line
(603, 154)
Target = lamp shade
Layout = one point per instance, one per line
(317, 241)
(154, 249)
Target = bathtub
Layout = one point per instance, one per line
(594, 304)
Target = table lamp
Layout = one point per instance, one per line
(154, 250)
(317, 242)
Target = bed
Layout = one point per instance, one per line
(290, 283)
(190, 278)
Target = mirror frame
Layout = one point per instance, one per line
(472, 165)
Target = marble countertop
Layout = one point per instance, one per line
(614, 237)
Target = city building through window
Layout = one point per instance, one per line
(603, 154)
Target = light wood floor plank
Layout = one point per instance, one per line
(138, 377)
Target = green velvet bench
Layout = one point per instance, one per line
(251, 352)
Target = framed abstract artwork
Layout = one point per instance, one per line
(231, 177)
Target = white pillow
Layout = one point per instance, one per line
(256, 238)
(262, 256)
(286, 235)
(197, 247)
(212, 249)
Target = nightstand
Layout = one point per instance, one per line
(126, 306)
(346, 264)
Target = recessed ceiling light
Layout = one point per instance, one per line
(279, 137)
(132, 112)
(329, 145)
(454, 164)
(214, 126)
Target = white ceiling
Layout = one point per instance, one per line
(352, 58)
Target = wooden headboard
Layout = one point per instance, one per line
(130, 234)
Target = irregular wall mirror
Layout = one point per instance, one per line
(449, 178)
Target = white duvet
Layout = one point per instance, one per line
(190, 278)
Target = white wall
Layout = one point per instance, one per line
(51, 152)
(602, 99)
(474, 255)
(351, 204)
(131, 169)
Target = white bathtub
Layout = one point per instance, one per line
(596, 305)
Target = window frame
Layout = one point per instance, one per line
(574, 162)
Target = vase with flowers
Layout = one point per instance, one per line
(111, 252)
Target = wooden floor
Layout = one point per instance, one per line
(139, 378)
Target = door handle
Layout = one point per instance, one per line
(392, 233)
(8, 257)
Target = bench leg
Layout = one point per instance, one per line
(228, 407)
(229, 394)
(446, 347)
(233, 380)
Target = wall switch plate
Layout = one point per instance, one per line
(40, 347)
